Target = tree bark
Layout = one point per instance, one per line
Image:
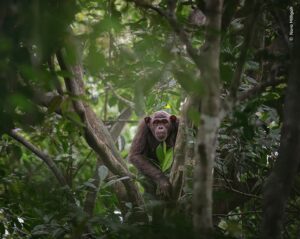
(205, 146)
(177, 171)
(91, 196)
(248, 37)
(118, 126)
(279, 184)
(95, 133)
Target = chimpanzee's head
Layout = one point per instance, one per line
(161, 124)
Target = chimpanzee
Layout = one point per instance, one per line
(154, 129)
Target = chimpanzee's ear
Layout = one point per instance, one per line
(173, 118)
(147, 119)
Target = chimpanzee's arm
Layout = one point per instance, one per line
(138, 158)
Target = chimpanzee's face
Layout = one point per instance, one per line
(160, 125)
(160, 129)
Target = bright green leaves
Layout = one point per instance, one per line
(165, 156)
(160, 152)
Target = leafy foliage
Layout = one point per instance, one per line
(165, 156)
(128, 54)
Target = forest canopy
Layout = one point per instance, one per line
(79, 79)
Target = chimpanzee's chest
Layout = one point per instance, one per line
(151, 149)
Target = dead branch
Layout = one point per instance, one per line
(119, 124)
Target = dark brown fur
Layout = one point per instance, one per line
(143, 149)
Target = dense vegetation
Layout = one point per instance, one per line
(76, 78)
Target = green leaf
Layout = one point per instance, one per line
(102, 172)
(55, 103)
(167, 160)
(58, 233)
(2, 229)
(194, 115)
(160, 153)
(226, 72)
(90, 185)
(74, 118)
(128, 205)
(165, 148)
(95, 60)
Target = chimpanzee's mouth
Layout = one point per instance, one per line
(161, 136)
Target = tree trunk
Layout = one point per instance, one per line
(95, 133)
(178, 168)
(278, 186)
(205, 146)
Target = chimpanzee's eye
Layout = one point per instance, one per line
(155, 122)
(164, 121)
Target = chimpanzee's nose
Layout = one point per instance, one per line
(160, 127)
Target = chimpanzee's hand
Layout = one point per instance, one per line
(164, 189)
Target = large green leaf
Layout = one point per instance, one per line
(160, 153)
(167, 162)
(165, 156)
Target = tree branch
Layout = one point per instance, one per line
(249, 30)
(147, 5)
(43, 156)
(177, 170)
(91, 196)
(230, 188)
(278, 18)
(120, 120)
(118, 126)
(237, 214)
(178, 29)
(258, 89)
(96, 133)
(230, 8)
(121, 98)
